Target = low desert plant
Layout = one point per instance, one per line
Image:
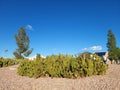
(4, 62)
(65, 66)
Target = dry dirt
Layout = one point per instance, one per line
(9, 80)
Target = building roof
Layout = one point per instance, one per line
(100, 53)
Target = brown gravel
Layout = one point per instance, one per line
(9, 80)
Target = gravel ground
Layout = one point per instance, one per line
(9, 80)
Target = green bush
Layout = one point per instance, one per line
(4, 62)
(1, 63)
(65, 66)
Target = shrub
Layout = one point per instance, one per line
(1, 63)
(65, 66)
(4, 62)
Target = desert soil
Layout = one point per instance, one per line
(10, 80)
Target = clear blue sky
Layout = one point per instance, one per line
(59, 26)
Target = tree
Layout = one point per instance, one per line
(22, 41)
(38, 57)
(85, 55)
(117, 53)
(111, 45)
(6, 52)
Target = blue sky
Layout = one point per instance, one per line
(59, 26)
